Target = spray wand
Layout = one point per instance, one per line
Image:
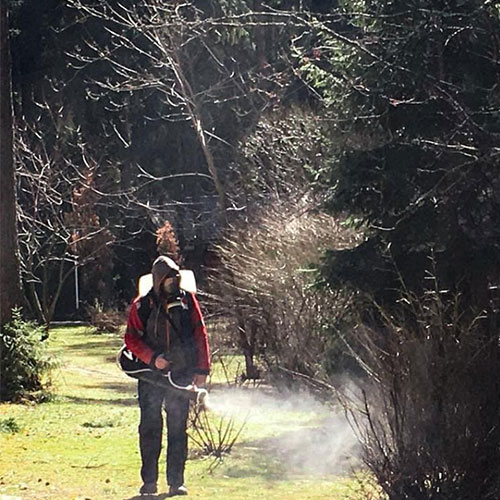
(135, 368)
(194, 393)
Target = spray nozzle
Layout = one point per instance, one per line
(199, 396)
(202, 398)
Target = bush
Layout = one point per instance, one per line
(214, 436)
(24, 362)
(104, 320)
(430, 416)
(263, 287)
(9, 426)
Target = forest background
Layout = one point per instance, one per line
(330, 169)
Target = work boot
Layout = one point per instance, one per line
(148, 489)
(177, 490)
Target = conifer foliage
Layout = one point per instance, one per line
(417, 128)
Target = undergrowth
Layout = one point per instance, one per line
(25, 364)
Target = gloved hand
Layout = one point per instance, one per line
(199, 380)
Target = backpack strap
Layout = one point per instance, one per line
(147, 303)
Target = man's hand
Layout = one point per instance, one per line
(161, 363)
(199, 380)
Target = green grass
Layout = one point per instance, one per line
(83, 443)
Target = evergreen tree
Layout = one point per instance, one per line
(413, 89)
(412, 92)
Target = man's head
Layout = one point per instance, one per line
(165, 277)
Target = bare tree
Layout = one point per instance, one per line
(179, 52)
(59, 230)
(263, 286)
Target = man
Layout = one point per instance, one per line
(165, 330)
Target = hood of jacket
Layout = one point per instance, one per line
(163, 267)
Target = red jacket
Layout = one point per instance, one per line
(136, 340)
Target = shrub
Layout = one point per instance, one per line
(104, 320)
(430, 415)
(9, 426)
(24, 362)
(215, 436)
(263, 286)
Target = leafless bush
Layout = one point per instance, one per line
(214, 436)
(233, 371)
(104, 320)
(264, 285)
(430, 415)
(221, 336)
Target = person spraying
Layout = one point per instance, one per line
(166, 338)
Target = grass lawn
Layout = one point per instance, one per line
(83, 444)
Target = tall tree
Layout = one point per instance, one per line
(9, 268)
(415, 89)
(191, 75)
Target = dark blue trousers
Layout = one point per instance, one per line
(152, 399)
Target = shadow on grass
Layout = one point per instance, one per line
(255, 464)
(119, 387)
(145, 497)
(105, 345)
(104, 402)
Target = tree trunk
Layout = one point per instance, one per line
(196, 119)
(248, 348)
(10, 291)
